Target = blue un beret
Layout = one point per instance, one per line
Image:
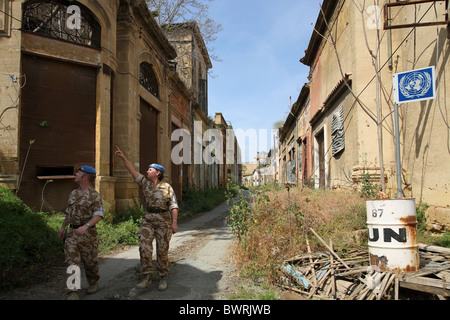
(157, 167)
(87, 169)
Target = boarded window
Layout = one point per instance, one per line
(300, 158)
(337, 131)
(203, 95)
(4, 17)
(148, 79)
(65, 20)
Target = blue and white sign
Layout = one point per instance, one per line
(415, 85)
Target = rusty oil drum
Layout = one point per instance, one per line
(392, 228)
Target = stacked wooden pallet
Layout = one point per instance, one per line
(434, 274)
(325, 275)
(320, 275)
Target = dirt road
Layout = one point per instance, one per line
(199, 269)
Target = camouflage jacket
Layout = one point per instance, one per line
(163, 197)
(82, 208)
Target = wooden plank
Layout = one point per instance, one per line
(376, 289)
(328, 288)
(329, 249)
(386, 283)
(426, 282)
(397, 287)
(55, 177)
(437, 249)
(302, 257)
(352, 272)
(363, 293)
(325, 277)
(310, 260)
(303, 292)
(333, 277)
(357, 290)
(444, 275)
(424, 288)
(426, 285)
(429, 270)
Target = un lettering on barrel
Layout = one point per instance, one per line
(392, 226)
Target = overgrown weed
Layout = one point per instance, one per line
(280, 221)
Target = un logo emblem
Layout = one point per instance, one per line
(414, 85)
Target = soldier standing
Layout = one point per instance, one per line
(158, 222)
(84, 210)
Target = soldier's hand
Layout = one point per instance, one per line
(119, 152)
(81, 230)
(174, 227)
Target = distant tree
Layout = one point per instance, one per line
(167, 12)
(278, 124)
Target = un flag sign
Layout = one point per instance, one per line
(415, 85)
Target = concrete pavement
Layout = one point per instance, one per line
(193, 277)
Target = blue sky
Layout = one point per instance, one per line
(260, 46)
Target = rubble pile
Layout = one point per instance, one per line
(325, 275)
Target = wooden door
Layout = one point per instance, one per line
(176, 170)
(148, 146)
(58, 113)
(321, 147)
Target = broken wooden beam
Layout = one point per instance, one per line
(437, 249)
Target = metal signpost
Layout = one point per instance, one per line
(410, 86)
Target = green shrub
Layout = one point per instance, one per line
(27, 242)
(421, 217)
(444, 240)
(369, 189)
(196, 201)
(240, 210)
(112, 235)
(133, 213)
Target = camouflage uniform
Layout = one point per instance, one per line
(156, 224)
(83, 248)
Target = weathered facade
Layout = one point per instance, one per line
(231, 153)
(60, 116)
(193, 65)
(180, 106)
(141, 116)
(294, 139)
(350, 113)
(78, 78)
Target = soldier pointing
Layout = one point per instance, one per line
(158, 222)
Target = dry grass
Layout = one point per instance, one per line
(280, 223)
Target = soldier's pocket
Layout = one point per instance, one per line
(167, 216)
(71, 203)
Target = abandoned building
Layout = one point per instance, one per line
(79, 78)
(341, 129)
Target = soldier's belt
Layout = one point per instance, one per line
(155, 210)
(73, 226)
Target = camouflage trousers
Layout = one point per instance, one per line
(83, 249)
(158, 227)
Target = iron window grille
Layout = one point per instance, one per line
(55, 19)
(148, 79)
